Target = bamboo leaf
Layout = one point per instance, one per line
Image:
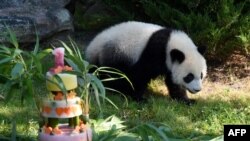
(97, 96)
(60, 84)
(111, 79)
(79, 66)
(17, 70)
(37, 63)
(118, 92)
(98, 82)
(220, 138)
(72, 64)
(158, 131)
(76, 49)
(110, 101)
(113, 71)
(35, 51)
(86, 64)
(12, 38)
(43, 53)
(5, 50)
(5, 60)
(90, 66)
(17, 52)
(67, 48)
(10, 92)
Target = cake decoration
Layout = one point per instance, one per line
(61, 106)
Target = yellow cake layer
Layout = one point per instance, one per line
(69, 81)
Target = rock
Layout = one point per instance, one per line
(47, 3)
(10, 3)
(44, 3)
(31, 17)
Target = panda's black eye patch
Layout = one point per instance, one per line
(201, 75)
(177, 56)
(188, 78)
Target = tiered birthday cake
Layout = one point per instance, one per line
(63, 106)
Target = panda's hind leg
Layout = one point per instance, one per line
(177, 92)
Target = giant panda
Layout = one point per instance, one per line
(144, 51)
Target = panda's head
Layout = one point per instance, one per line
(186, 62)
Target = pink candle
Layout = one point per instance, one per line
(59, 56)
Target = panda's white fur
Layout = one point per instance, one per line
(131, 45)
(131, 39)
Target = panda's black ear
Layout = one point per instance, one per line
(177, 56)
(202, 49)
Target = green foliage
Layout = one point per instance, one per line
(244, 40)
(20, 69)
(111, 128)
(222, 25)
(114, 128)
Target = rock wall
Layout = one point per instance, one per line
(27, 18)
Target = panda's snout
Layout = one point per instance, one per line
(193, 91)
(197, 90)
(194, 86)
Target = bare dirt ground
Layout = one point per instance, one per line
(232, 77)
(237, 66)
(234, 72)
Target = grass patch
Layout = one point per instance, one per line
(214, 108)
(24, 116)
